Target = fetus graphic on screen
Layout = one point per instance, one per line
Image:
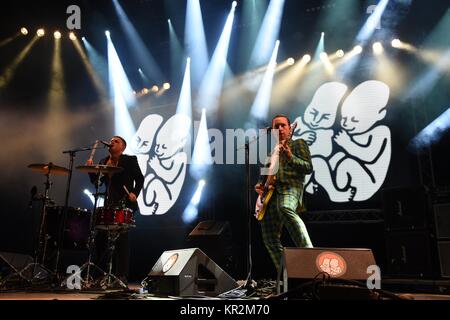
(315, 127)
(358, 170)
(143, 140)
(165, 166)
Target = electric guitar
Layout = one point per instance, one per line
(263, 199)
(269, 186)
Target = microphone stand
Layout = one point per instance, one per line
(72, 154)
(249, 280)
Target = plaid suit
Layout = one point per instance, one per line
(285, 200)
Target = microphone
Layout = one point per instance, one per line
(294, 126)
(105, 143)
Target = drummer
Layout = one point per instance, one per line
(123, 188)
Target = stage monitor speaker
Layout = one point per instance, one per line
(212, 229)
(304, 264)
(214, 238)
(188, 272)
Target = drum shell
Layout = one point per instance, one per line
(110, 218)
(76, 229)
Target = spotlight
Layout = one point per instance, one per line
(234, 4)
(166, 86)
(89, 194)
(377, 48)
(201, 183)
(83, 38)
(396, 43)
(100, 201)
(340, 53)
(306, 58)
(24, 31)
(72, 36)
(57, 35)
(358, 49)
(40, 32)
(322, 34)
(107, 33)
(290, 61)
(323, 55)
(155, 89)
(168, 21)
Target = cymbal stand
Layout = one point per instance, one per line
(87, 282)
(39, 271)
(42, 242)
(109, 279)
(71, 154)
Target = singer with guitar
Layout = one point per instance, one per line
(294, 162)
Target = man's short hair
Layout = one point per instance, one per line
(282, 116)
(123, 140)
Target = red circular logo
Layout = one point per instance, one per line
(331, 263)
(170, 262)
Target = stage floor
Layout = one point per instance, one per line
(134, 294)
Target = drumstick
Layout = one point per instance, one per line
(93, 150)
(126, 190)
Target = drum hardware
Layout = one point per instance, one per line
(48, 168)
(114, 220)
(72, 154)
(41, 250)
(76, 230)
(109, 279)
(99, 168)
(99, 171)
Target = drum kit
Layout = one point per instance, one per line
(75, 228)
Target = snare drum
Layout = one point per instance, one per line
(114, 218)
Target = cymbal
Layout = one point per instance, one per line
(99, 168)
(48, 168)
